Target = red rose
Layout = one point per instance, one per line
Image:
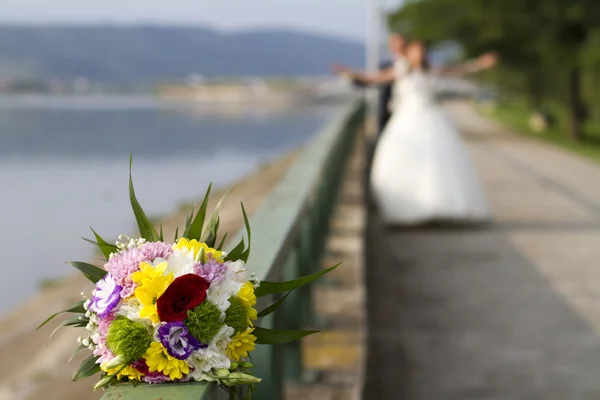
(183, 294)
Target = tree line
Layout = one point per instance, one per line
(549, 49)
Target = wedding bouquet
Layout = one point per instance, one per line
(185, 311)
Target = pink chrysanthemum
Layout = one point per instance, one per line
(212, 270)
(123, 264)
(104, 323)
(128, 287)
(102, 350)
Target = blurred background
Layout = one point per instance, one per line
(216, 91)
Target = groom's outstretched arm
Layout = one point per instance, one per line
(362, 84)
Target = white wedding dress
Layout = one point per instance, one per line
(421, 171)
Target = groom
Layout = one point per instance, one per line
(397, 46)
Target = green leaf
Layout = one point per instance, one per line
(75, 308)
(246, 253)
(81, 347)
(267, 288)
(90, 241)
(236, 252)
(87, 368)
(220, 246)
(273, 306)
(213, 223)
(106, 381)
(188, 221)
(240, 252)
(194, 230)
(212, 235)
(105, 247)
(77, 320)
(160, 235)
(92, 272)
(146, 228)
(278, 336)
(176, 234)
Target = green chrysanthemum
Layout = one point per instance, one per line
(128, 339)
(203, 322)
(236, 315)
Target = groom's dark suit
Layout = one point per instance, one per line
(385, 94)
(383, 115)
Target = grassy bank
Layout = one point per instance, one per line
(516, 117)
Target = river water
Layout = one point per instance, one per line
(64, 168)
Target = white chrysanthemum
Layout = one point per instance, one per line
(181, 262)
(212, 357)
(223, 338)
(237, 271)
(204, 360)
(220, 294)
(131, 310)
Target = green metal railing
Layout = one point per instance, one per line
(288, 241)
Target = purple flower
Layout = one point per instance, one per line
(177, 340)
(155, 377)
(212, 270)
(149, 377)
(106, 296)
(124, 263)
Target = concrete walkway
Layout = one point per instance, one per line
(511, 311)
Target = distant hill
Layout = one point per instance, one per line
(149, 53)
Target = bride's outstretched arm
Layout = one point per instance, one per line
(481, 63)
(384, 76)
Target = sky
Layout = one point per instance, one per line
(345, 18)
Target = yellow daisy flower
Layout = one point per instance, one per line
(152, 284)
(241, 345)
(128, 372)
(248, 299)
(158, 359)
(195, 246)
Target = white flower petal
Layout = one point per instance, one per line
(181, 262)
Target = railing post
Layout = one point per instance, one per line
(289, 317)
(267, 362)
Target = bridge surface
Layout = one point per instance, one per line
(510, 311)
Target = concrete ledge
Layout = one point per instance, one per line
(338, 353)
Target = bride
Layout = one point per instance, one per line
(421, 171)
